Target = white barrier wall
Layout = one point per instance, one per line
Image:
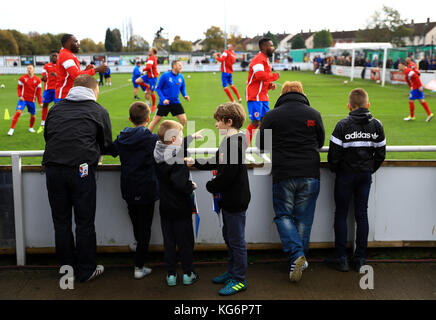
(401, 208)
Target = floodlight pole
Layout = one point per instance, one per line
(385, 58)
(353, 55)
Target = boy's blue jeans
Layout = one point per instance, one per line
(234, 237)
(294, 201)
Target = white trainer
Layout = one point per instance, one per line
(141, 272)
(10, 132)
(97, 272)
(32, 130)
(132, 246)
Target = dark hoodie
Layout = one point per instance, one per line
(231, 180)
(174, 180)
(357, 144)
(297, 136)
(135, 147)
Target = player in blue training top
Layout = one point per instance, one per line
(170, 85)
(107, 77)
(135, 75)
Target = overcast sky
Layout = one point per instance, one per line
(191, 18)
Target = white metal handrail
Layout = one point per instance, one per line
(18, 194)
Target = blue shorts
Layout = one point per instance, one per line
(416, 94)
(30, 106)
(135, 85)
(226, 79)
(49, 96)
(57, 100)
(150, 81)
(257, 109)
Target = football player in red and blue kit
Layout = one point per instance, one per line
(227, 60)
(150, 78)
(49, 95)
(416, 93)
(28, 88)
(260, 80)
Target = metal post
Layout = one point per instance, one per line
(18, 209)
(353, 56)
(385, 58)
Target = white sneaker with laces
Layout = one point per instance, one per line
(32, 130)
(141, 272)
(10, 132)
(97, 272)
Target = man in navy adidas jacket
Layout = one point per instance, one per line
(357, 150)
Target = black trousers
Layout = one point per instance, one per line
(142, 218)
(67, 190)
(178, 233)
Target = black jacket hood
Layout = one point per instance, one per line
(292, 97)
(360, 116)
(131, 136)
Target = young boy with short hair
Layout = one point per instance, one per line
(231, 182)
(176, 204)
(357, 150)
(139, 184)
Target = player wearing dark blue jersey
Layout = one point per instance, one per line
(107, 77)
(171, 84)
(135, 75)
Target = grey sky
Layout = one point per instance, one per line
(191, 18)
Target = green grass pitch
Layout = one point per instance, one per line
(326, 93)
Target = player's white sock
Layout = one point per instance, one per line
(42, 122)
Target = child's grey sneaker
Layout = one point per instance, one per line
(172, 280)
(190, 279)
(141, 272)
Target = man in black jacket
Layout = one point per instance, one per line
(77, 131)
(357, 150)
(297, 136)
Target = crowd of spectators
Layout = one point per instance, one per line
(324, 63)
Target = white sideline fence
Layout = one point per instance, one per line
(17, 181)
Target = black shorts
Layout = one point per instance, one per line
(175, 109)
(107, 76)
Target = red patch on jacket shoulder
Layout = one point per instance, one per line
(310, 123)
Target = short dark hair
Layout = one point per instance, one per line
(154, 50)
(263, 41)
(358, 98)
(174, 62)
(65, 38)
(54, 51)
(233, 111)
(139, 112)
(85, 80)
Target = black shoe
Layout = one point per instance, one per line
(340, 264)
(136, 98)
(357, 263)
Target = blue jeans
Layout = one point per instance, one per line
(234, 237)
(348, 184)
(294, 203)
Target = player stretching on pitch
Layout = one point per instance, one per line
(49, 95)
(170, 85)
(150, 78)
(417, 92)
(29, 87)
(227, 60)
(260, 80)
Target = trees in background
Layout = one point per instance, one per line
(385, 26)
(322, 39)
